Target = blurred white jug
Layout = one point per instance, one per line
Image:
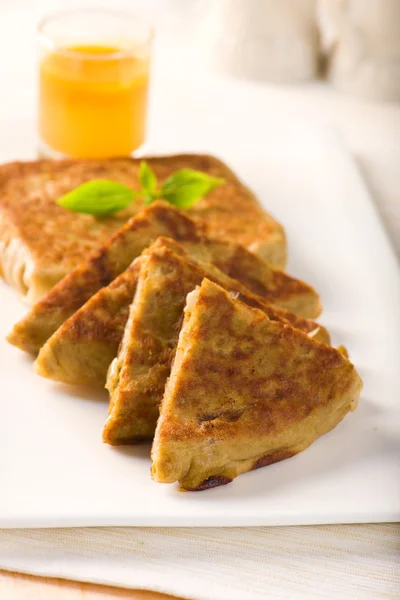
(271, 40)
(363, 37)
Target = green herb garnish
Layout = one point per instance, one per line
(103, 198)
(148, 181)
(99, 197)
(185, 187)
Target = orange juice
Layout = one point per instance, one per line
(93, 101)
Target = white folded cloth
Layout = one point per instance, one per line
(357, 562)
(363, 37)
(261, 40)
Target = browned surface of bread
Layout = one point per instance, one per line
(244, 391)
(51, 239)
(81, 350)
(106, 263)
(41, 242)
(274, 285)
(100, 268)
(137, 379)
(83, 347)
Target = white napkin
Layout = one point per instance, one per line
(302, 563)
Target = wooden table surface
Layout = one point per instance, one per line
(14, 586)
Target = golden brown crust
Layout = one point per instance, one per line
(233, 213)
(57, 239)
(244, 391)
(275, 286)
(81, 350)
(151, 336)
(211, 482)
(269, 459)
(27, 204)
(106, 263)
(273, 457)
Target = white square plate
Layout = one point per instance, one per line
(54, 468)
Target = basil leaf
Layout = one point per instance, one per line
(148, 198)
(99, 198)
(187, 186)
(102, 197)
(147, 178)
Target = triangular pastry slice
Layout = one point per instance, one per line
(244, 392)
(114, 256)
(137, 377)
(81, 350)
(33, 253)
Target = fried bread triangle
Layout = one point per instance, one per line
(81, 350)
(244, 392)
(41, 242)
(137, 378)
(114, 256)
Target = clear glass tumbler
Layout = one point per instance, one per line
(94, 70)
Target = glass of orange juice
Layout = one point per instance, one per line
(93, 83)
